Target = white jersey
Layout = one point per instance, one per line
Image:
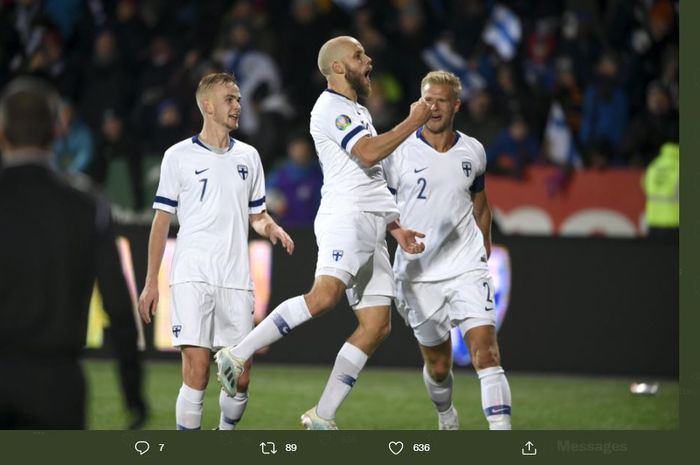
(337, 123)
(433, 193)
(213, 195)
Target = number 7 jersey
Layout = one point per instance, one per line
(433, 191)
(213, 195)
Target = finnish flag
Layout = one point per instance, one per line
(441, 56)
(558, 137)
(503, 32)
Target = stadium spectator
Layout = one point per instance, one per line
(294, 188)
(648, 131)
(604, 114)
(108, 85)
(355, 199)
(514, 148)
(481, 121)
(113, 142)
(131, 34)
(568, 93)
(264, 105)
(304, 31)
(49, 261)
(212, 294)
(74, 148)
(50, 61)
(661, 186)
(449, 284)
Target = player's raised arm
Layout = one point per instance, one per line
(148, 301)
(264, 225)
(370, 150)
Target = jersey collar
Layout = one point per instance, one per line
(419, 135)
(338, 93)
(195, 140)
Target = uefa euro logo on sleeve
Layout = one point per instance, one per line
(342, 122)
(242, 171)
(467, 168)
(337, 255)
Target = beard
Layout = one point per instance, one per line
(358, 83)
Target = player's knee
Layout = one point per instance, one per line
(486, 357)
(322, 298)
(439, 370)
(381, 330)
(196, 376)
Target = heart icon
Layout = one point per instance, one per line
(396, 447)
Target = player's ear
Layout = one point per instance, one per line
(206, 106)
(337, 67)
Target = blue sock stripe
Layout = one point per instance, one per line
(182, 428)
(230, 421)
(497, 410)
(282, 326)
(347, 379)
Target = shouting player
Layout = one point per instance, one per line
(356, 211)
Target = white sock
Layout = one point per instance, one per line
(348, 365)
(440, 392)
(232, 409)
(495, 397)
(188, 408)
(287, 316)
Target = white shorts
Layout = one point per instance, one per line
(209, 316)
(432, 309)
(352, 248)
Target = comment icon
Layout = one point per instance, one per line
(142, 447)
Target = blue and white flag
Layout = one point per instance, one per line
(441, 56)
(503, 32)
(558, 137)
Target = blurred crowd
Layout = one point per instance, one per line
(569, 82)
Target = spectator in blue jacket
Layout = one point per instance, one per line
(605, 108)
(294, 188)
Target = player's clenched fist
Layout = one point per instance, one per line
(420, 111)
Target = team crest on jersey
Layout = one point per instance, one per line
(176, 330)
(337, 255)
(467, 168)
(342, 122)
(242, 171)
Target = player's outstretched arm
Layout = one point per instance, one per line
(264, 225)
(148, 301)
(371, 150)
(406, 238)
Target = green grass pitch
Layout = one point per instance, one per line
(391, 399)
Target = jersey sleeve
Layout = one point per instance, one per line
(169, 185)
(343, 126)
(479, 183)
(391, 172)
(256, 198)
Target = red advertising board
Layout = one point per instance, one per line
(586, 202)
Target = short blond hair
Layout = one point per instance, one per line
(210, 81)
(443, 78)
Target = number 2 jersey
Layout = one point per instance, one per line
(213, 195)
(433, 191)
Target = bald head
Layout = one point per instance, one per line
(335, 50)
